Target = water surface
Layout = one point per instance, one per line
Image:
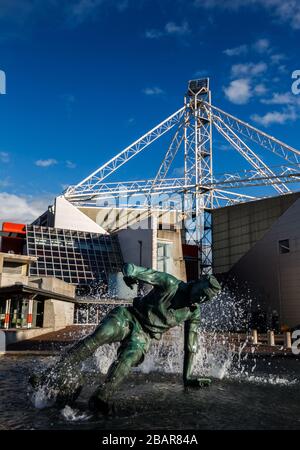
(266, 397)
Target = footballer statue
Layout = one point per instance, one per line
(169, 303)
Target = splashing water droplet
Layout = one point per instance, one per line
(73, 415)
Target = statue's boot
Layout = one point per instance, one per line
(100, 402)
(204, 382)
(198, 383)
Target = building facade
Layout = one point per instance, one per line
(32, 302)
(259, 243)
(77, 257)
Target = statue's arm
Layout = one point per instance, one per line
(133, 273)
(190, 349)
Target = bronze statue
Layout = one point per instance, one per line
(170, 303)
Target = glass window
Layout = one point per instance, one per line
(164, 256)
(85, 254)
(18, 313)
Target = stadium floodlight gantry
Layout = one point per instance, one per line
(199, 190)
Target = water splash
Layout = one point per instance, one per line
(41, 398)
(220, 353)
(74, 415)
(270, 379)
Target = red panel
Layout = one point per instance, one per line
(11, 227)
(14, 237)
(29, 318)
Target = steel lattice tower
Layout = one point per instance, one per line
(199, 191)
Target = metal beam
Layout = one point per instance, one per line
(247, 153)
(272, 144)
(92, 182)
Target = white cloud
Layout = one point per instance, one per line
(79, 11)
(173, 28)
(153, 91)
(286, 11)
(70, 164)
(238, 91)
(285, 98)
(45, 162)
(153, 34)
(260, 89)
(72, 12)
(4, 157)
(130, 121)
(248, 69)
(276, 117)
(225, 147)
(170, 29)
(277, 58)
(178, 172)
(282, 69)
(236, 51)
(20, 208)
(262, 46)
(82, 9)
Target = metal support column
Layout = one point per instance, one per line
(29, 314)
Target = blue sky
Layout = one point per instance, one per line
(85, 78)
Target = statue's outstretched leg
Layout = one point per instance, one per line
(131, 353)
(65, 379)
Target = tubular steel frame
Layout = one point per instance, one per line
(199, 190)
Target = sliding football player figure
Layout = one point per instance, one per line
(169, 303)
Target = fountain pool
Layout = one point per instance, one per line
(247, 393)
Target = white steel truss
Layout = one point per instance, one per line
(255, 135)
(199, 190)
(92, 182)
(248, 154)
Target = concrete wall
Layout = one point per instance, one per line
(149, 235)
(14, 268)
(54, 285)
(8, 279)
(236, 229)
(69, 217)
(2, 342)
(130, 247)
(112, 219)
(58, 314)
(13, 336)
(276, 275)
(8, 337)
